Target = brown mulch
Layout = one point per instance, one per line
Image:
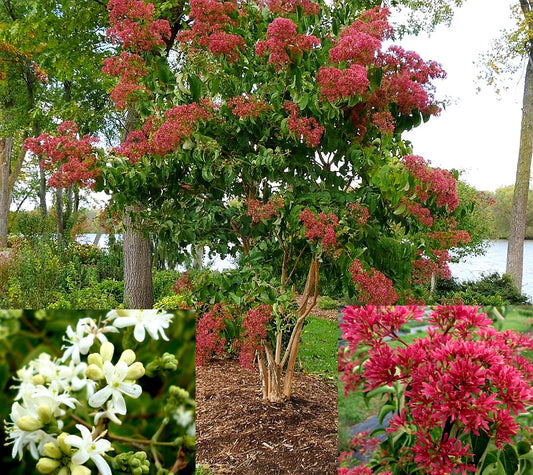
(238, 433)
(317, 312)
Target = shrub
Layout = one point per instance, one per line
(491, 289)
(327, 303)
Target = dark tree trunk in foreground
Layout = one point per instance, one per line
(138, 288)
(517, 231)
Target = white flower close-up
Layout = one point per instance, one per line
(89, 449)
(116, 386)
(83, 338)
(152, 321)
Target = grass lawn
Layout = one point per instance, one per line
(318, 348)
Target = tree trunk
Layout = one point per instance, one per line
(42, 190)
(138, 288)
(6, 147)
(517, 231)
(9, 172)
(60, 225)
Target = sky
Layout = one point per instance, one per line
(478, 133)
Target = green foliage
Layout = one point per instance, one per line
(172, 302)
(493, 289)
(163, 281)
(501, 213)
(327, 303)
(31, 224)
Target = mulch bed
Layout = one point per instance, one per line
(238, 433)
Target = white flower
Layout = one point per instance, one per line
(89, 449)
(110, 414)
(152, 321)
(115, 376)
(83, 338)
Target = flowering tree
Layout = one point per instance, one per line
(85, 406)
(274, 134)
(458, 397)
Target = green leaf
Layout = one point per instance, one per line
(523, 447)
(380, 390)
(479, 445)
(509, 459)
(384, 411)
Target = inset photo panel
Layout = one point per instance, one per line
(444, 389)
(97, 391)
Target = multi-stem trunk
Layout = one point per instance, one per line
(272, 364)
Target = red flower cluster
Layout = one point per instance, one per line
(247, 106)
(434, 181)
(361, 212)
(424, 268)
(284, 7)
(128, 67)
(342, 83)
(180, 122)
(422, 214)
(212, 19)
(183, 284)
(255, 330)
(157, 137)
(132, 25)
(464, 374)
(209, 333)
(321, 228)
(74, 159)
(263, 212)
(303, 128)
(451, 238)
(284, 43)
(373, 287)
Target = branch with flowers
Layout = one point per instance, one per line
(460, 400)
(113, 401)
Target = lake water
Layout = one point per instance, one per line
(495, 260)
(470, 268)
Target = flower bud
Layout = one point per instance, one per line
(79, 470)
(94, 372)
(52, 450)
(45, 413)
(29, 423)
(96, 359)
(107, 350)
(128, 356)
(37, 379)
(63, 471)
(135, 371)
(46, 465)
(66, 448)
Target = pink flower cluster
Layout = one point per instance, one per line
(373, 286)
(183, 284)
(255, 330)
(263, 212)
(361, 212)
(434, 182)
(450, 238)
(303, 128)
(284, 43)
(133, 26)
(129, 68)
(425, 268)
(210, 340)
(247, 106)
(211, 21)
(321, 228)
(342, 83)
(73, 159)
(421, 213)
(464, 375)
(284, 7)
(161, 136)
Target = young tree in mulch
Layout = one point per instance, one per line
(274, 135)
